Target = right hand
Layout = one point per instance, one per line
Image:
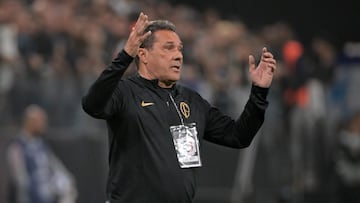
(137, 35)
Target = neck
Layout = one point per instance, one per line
(144, 73)
(166, 84)
(28, 133)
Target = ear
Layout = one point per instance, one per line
(142, 53)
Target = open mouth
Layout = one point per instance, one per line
(176, 67)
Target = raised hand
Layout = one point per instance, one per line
(137, 35)
(262, 75)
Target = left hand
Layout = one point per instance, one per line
(262, 75)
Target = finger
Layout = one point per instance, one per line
(264, 50)
(268, 55)
(138, 20)
(252, 65)
(141, 24)
(142, 21)
(271, 67)
(146, 35)
(269, 60)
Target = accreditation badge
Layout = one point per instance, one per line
(186, 145)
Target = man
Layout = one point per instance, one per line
(154, 124)
(36, 175)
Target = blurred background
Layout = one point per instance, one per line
(308, 149)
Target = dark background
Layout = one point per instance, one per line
(337, 19)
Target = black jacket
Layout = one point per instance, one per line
(142, 158)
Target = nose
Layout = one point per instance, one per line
(178, 56)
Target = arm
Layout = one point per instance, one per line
(98, 101)
(102, 99)
(18, 174)
(63, 181)
(223, 130)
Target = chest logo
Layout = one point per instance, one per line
(144, 104)
(185, 109)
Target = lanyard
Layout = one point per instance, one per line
(177, 110)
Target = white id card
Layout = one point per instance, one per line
(186, 145)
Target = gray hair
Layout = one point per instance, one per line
(154, 26)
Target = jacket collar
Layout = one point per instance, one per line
(153, 84)
(146, 82)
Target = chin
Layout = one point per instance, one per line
(172, 79)
(175, 78)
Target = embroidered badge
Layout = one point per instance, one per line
(185, 109)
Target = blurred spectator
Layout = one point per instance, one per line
(50, 50)
(8, 56)
(305, 97)
(36, 175)
(29, 85)
(60, 89)
(325, 58)
(347, 160)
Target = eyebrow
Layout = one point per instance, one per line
(171, 42)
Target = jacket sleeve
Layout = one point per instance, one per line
(19, 179)
(103, 97)
(224, 130)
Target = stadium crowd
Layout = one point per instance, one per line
(52, 50)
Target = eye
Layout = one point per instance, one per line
(181, 48)
(169, 47)
(173, 47)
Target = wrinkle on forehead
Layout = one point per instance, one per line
(166, 36)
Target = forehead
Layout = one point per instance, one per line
(167, 36)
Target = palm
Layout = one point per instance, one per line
(262, 75)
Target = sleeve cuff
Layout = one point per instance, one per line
(124, 57)
(125, 53)
(259, 92)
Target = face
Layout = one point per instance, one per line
(36, 123)
(164, 60)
